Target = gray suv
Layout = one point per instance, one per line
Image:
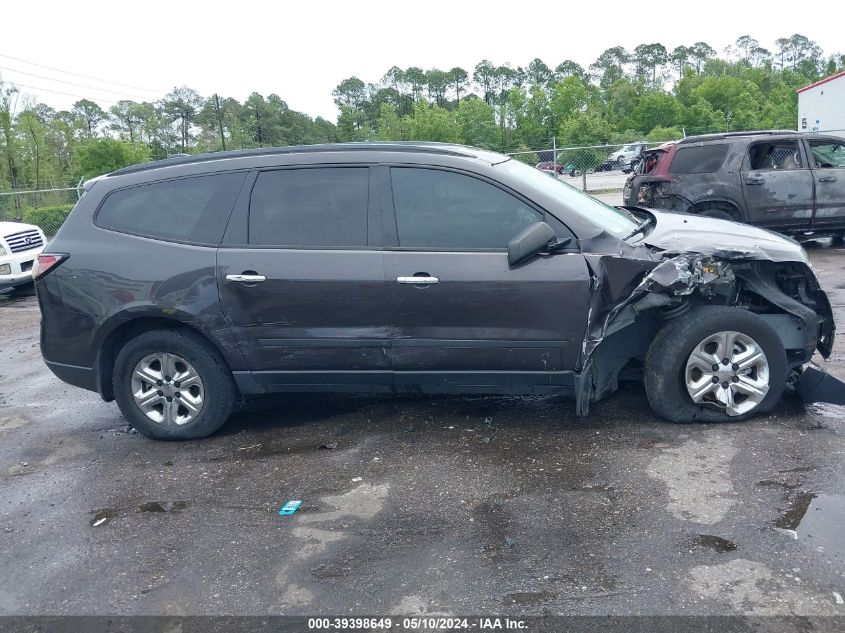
(180, 288)
(785, 181)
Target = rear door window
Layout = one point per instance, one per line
(323, 207)
(704, 159)
(193, 210)
(774, 156)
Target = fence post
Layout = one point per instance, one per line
(554, 155)
(584, 179)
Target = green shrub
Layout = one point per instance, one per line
(49, 219)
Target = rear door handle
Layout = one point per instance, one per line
(827, 179)
(246, 278)
(755, 180)
(418, 281)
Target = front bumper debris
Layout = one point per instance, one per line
(816, 385)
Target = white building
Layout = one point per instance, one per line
(821, 105)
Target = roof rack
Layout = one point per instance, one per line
(723, 135)
(392, 146)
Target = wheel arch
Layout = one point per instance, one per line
(124, 330)
(721, 204)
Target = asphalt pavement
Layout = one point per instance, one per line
(417, 505)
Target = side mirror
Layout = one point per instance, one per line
(530, 241)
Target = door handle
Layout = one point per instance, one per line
(422, 280)
(755, 180)
(827, 179)
(247, 278)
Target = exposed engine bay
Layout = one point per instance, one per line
(662, 277)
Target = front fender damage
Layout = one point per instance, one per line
(636, 290)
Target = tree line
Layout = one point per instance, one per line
(648, 93)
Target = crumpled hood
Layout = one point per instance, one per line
(688, 233)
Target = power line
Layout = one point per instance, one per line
(71, 83)
(59, 92)
(67, 72)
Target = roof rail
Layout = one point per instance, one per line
(723, 135)
(392, 146)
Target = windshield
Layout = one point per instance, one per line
(616, 221)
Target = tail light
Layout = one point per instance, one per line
(47, 262)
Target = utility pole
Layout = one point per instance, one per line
(219, 120)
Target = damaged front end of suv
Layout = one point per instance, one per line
(687, 262)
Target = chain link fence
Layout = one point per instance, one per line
(600, 170)
(46, 208)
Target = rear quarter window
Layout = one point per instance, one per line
(704, 159)
(192, 210)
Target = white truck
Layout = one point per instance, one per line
(20, 244)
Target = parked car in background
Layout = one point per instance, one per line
(622, 158)
(20, 244)
(782, 180)
(558, 168)
(181, 287)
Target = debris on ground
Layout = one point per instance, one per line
(791, 533)
(357, 479)
(838, 597)
(290, 507)
(488, 422)
(327, 447)
(510, 542)
(102, 517)
(816, 385)
(410, 429)
(162, 506)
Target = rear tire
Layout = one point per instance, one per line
(190, 414)
(666, 364)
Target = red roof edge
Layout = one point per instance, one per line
(822, 81)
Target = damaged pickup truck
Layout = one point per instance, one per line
(181, 288)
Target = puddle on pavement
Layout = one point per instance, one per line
(774, 483)
(790, 519)
(16, 298)
(103, 516)
(528, 597)
(818, 520)
(715, 542)
(163, 506)
(653, 444)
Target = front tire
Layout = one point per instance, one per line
(687, 378)
(172, 385)
(719, 214)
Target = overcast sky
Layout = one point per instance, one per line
(302, 50)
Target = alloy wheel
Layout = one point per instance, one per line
(167, 389)
(728, 370)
